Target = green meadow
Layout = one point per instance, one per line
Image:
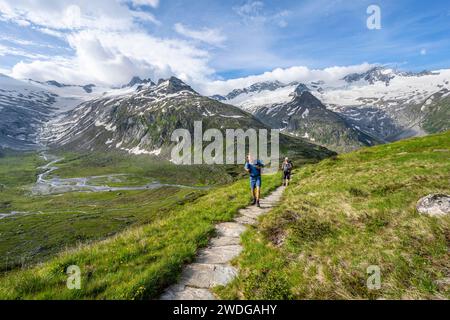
(47, 224)
(349, 212)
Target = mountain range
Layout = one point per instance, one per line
(141, 119)
(361, 109)
(376, 106)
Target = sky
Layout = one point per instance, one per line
(216, 46)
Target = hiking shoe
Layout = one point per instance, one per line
(253, 201)
(257, 204)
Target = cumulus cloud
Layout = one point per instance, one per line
(107, 45)
(207, 35)
(112, 58)
(286, 75)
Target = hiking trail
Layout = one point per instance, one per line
(212, 265)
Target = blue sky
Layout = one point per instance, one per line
(105, 41)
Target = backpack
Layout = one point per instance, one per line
(288, 166)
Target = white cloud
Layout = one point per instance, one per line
(112, 58)
(145, 16)
(109, 46)
(250, 10)
(11, 51)
(21, 42)
(280, 18)
(27, 43)
(207, 35)
(51, 32)
(22, 23)
(152, 3)
(74, 15)
(297, 73)
(254, 11)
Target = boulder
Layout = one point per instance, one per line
(434, 205)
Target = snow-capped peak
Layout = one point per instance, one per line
(381, 74)
(138, 81)
(299, 90)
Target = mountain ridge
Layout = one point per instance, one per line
(305, 116)
(382, 103)
(141, 121)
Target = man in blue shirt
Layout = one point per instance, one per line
(254, 168)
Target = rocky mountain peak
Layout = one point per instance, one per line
(372, 75)
(55, 83)
(173, 85)
(266, 85)
(382, 74)
(137, 80)
(87, 88)
(299, 90)
(308, 99)
(256, 87)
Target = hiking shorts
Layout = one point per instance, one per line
(255, 182)
(286, 175)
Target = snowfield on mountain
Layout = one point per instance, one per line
(383, 103)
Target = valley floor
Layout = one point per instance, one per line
(39, 216)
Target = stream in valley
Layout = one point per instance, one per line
(56, 185)
(46, 185)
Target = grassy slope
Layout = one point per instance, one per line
(438, 117)
(54, 222)
(138, 262)
(344, 214)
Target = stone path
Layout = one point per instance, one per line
(212, 266)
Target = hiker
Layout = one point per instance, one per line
(254, 168)
(287, 168)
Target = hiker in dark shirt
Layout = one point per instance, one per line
(287, 168)
(254, 168)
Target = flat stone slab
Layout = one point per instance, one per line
(251, 212)
(246, 220)
(229, 229)
(224, 241)
(202, 275)
(216, 255)
(264, 208)
(266, 203)
(188, 293)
